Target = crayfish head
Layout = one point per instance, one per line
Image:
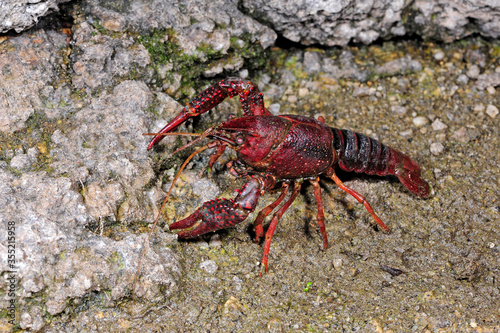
(256, 136)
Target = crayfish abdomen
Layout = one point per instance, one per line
(362, 154)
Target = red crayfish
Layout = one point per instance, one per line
(286, 149)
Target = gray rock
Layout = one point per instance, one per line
(20, 15)
(488, 80)
(312, 62)
(209, 266)
(340, 22)
(473, 72)
(399, 66)
(25, 74)
(462, 79)
(56, 254)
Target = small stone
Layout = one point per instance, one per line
(491, 90)
(215, 241)
(406, 133)
(363, 91)
(438, 125)
(473, 72)
(303, 92)
(209, 266)
(479, 107)
(337, 263)
(439, 55)
(20, 162)
(438, 173)
(274, 108)
(461, 135)
(398, 109)
(462, 79)
(437, 148)
(420, 121)
(491, 111)
(238, 282)
(292, 99)
(243, 73)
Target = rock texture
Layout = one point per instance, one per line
(340, 22)
(19, 15)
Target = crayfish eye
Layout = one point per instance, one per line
(239, 140)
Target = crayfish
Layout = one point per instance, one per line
(281, 150)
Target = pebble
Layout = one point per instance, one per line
(363, 91)
(438, 173)
(420, 121)
(438, 125)
(243, 73)
(215, 241)
(209, 266)
(337, 263)
(439, 55)
(406, 133)
(303, 92)
(473, 72)
(479, 107)
(491, 111)
(437, 148)
(398, 109)
(292, 99)
(462, 79)
(461, 135)
(275, 108)
(491, 90)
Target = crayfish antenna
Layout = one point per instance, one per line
(199, 150)
(202, 136)
(173, 133)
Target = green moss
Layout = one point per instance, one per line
(164, 50)
(117, 260)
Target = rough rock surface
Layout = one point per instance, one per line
(20, 15)
(214, 21)
(360, 21)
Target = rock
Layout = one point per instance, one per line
(363, 91)
(462, 79)
(491, 90)
(439, 55)
(209, 266)
(461, 135)
(399, 109)
(312, 62)
(473, 72)
(333, 23)
(488, 80)
(420, 121)
(491, 110)
(437, 148)
(20, 15)
(63, 260)
(438, 125)
(24, 73)
(399, 66)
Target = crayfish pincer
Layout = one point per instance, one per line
(284, 151)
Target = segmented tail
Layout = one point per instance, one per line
(360, 153)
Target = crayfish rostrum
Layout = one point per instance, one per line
(281, 150)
